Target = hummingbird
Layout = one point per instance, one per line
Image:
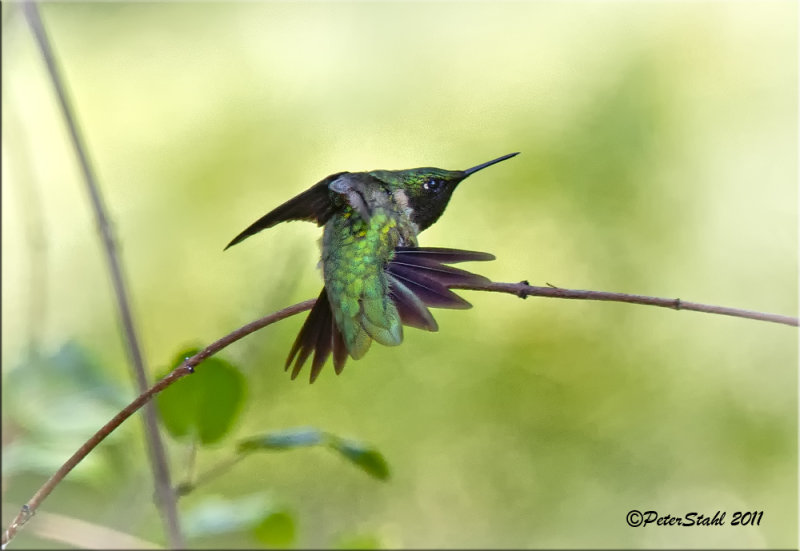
(377, 277)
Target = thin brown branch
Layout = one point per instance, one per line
(186, 368)
(524, 290)
(521, 289)
(166, 500)
(80, 534)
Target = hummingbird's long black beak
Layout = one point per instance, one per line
(475, 169)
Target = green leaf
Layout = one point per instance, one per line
(204, 405)
(366, 457)
(214, 515)
(276, 529)
(282, 440)
(362, 455)
(359, 541)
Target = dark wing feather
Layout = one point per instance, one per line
(411, 308)
(314, 205)
(428, 289)
(441, 255)
(418, 277)
(446, 275)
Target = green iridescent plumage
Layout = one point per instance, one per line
(377, 279)
(356, 280)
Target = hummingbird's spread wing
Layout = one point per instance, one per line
(314, 205)
(418, 278)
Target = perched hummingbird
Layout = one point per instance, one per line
(377, 278)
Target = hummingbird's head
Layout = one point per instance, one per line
(428, 190)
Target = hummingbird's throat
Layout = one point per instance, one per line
(401, 200)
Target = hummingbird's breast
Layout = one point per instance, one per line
(355, 255)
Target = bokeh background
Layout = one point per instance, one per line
(659, 156)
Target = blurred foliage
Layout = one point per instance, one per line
(363, 456)
(283, 440)
(276, 530)
(367, 458)
(201, 409)
(40, 438)
(205, 405)
(359, 541)
(659, 156)
(255, 514)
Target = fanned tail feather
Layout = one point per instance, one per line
(419, 277)
(319, 335)
(339, 350)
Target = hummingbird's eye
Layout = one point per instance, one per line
(433, 186)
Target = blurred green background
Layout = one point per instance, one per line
(659, 156)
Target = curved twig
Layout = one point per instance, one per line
(186, 368)
(521, 289)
